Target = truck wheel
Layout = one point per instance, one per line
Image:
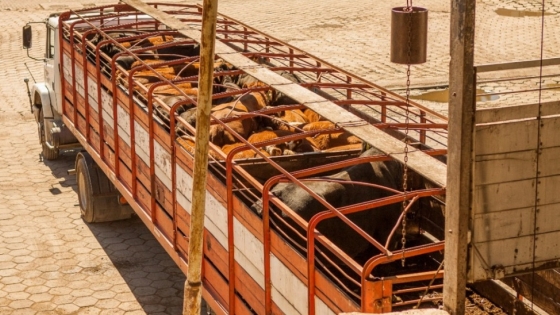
(97, 196)
(48, 153)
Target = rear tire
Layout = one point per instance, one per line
(48, 153)
(98, 198)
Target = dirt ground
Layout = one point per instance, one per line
(479, 305)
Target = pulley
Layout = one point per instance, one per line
(409, 35)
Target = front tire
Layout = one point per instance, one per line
(98, 198)
(48, 153)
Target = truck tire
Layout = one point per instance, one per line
(48, 153)
(98, 198)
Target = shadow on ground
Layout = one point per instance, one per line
(59, 169)
(152, 276)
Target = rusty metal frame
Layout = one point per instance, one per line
(354, 90)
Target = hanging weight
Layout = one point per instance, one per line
(409, 35)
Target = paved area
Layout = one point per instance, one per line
(51, 262)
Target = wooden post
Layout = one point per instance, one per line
(460, 154)
(193, 284)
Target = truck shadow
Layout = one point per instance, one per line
(151, 275)
(59, 169)
(134, 254)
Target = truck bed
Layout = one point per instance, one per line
(251, 265)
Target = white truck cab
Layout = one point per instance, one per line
(45, 97)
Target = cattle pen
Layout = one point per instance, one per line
(282, 117)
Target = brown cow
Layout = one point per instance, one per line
(312, 116)
(185, 87)
(265, 135)
(247, 154)
(244, 127)
(301, 146)
(294, 117)
(346, 147)
(325, 141)
(188, 143)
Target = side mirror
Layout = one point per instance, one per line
(27, 36)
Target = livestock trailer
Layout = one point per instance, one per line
(119, 82)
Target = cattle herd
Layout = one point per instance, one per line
(250, 111)
(246, 104)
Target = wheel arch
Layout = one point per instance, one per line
(42, 98)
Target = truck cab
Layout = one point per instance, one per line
(45, 97)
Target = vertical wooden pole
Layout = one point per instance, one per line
(460, 154)
(193, 284)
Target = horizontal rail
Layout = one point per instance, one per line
(517, 65)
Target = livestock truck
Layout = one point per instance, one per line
(324, 191)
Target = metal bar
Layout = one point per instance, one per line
(368, 102)
(248, 41)
(462, 106)
(403, 213)
(193, 283)
(518, 91)
(115, 117)
(409, 252)
(516, 78)
(517, 65)
(152, 153)
(419, 276)
(318, 218)
(172, 131)
(133, 157)
(420, 126)
(417, 289)
(73, 65)
(99, 102)
(423, 132)
(62, 75)
(86, 90)
(266, 246)
(410, 302)
(231, 241)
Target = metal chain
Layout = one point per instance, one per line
(539, 155)
(407, 121)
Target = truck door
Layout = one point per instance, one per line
(50, 72)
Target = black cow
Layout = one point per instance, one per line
(177, 51)
(377, 222)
